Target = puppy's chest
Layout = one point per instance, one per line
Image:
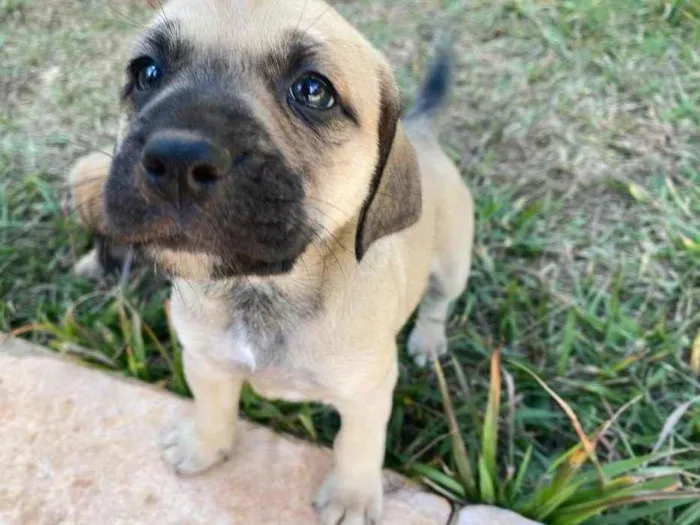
(262, 333)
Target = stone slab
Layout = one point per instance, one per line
(78, 446)
(484, 515)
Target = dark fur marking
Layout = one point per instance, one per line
(268, 314)
(253, 218)
(111, 256)
(435, 291)
(297, 52)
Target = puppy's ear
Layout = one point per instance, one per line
(394, 200)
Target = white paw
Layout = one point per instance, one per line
(427, 341)
(356, 503)
(89, 267)
(188, 453)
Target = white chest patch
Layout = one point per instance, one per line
(235, 347)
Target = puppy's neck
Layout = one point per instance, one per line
(325, 261)
(262, 313)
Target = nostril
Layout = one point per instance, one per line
(205, 174)
(154, 166)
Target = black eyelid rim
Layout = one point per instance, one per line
(340, 104)
(132, 70)
(138, 63)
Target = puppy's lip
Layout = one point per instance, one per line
(177, 243)
(141, 239)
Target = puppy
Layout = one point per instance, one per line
(263, 166)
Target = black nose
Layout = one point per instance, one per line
(180, 162)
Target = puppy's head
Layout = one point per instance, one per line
(253, 129)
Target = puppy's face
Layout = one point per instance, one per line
(252, 129)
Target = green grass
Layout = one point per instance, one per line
(575, 123)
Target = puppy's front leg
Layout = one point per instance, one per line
(352, 492)
(206, 440)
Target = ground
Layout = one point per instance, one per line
(576, 125)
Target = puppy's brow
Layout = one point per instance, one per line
(164, 42)
(295, 51)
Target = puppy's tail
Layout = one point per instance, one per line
(437, 85)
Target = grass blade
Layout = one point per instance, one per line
(695, 355)
(598, 434)
(486, 483)
(627, 517)
(690, 516)
(672, 421)
(585, 442)
(489, 441)
(520, 476)
(568, 341)
(510, 391)
(556, 496)
(636, 515)
(440, 478)
(459, 448)
(574, 516)
(124, 325)
(161, 349)
(137, 345)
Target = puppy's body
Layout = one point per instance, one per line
(290, 334)
(295, 264)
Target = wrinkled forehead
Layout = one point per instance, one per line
(270, 32)
(255, 26)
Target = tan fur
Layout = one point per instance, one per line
(345, 355)
(86, 180)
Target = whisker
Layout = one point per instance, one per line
(90, 146)
(344, 213)
(301, 15)
(126, 268)
(162, 10)
(125, 17)
(318, 18)
(67, 185)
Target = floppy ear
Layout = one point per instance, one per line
(394, 200)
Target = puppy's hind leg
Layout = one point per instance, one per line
(428, 338)
(448, 278)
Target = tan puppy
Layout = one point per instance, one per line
(263, 166)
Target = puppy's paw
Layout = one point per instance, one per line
(190, 453)
(356, 503)
(89, 266)
(427, 340)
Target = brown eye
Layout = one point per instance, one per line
(314, 92)
(146, 73)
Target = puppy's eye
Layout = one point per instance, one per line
(313, 91)
(146, 73)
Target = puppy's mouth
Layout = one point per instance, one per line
(189, 254)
